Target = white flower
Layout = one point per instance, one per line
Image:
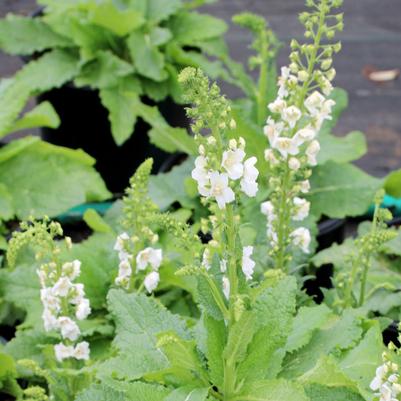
(50, 321)
(63, 351)
(380, 378)
(71, 269)
(305, 186)
(286, 146)
(119, 245)
(226, 287)
(269, 157)
(273, 130)
(148, 256)
(81, 351)
(199, 173)
(327, 87)
(220, 189)
(206, 259)
(69, 329)
(283, 81)
(83, 309)
(314, 103)
(277, 106)
(48, 299)
(311, 152)
(248, 183)
(267, 209)
(223, 265)
(232, 163)
(294, 164)
(151, 281)
(62, 287)
(248, 265)
(77, 293)
(304, 135)
(302, 207)
(291, 115)
(124, 269)
(301, 237)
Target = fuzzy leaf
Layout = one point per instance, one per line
(138, 320)
(342, 149)
(167, 188)
(121, 103)
(215, 343)
(304, 325)
(26, 35)
(188, 28)
(52, 169)
(273, 390)
(99, 392)
(317, 392)
(6, 204)
(188, 394)
(273, 313)
(43, 115)
(104, 71)
(52, 70)
(340, 190)
(120, 22)
(164, 136)
(147, 58)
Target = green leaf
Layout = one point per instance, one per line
(273, 311)
(99, 266)
(273, 390)
(6, 204)
(317, 392)
(145, 391)
(148, 60)
(340, 190)
(342, 149)
(99, 392)
(26, 35)
(43, 115)
(239, 337)
(167, 188)
(160, 36)
(307, 321)
(7, 367)
(95, 221)
(189, 28)
(120, 22)
(138, 320)
(163, 135)
(104, 71)
(337, 335)
(59, 178)
(216, 334)
(160, 10)
(392, 184)
(188, 394)
(52, 70)
(121, 103)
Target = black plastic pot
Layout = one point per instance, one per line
(85, 125)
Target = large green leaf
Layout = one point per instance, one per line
(6, 204)
(163, 135)
(273, 312)
(159, 10)
(307, 321)
(104, 71)
(58, 179)
(189, 28)
(392, 184)
(120, 22)
(99, 392)
(121, 103)
(147, 58)
(139, 320)
(340, 190)
(43, 115)
(25, 35)
(188, 394)
(167, 188)
(273, 390)
(342, 149)
(317, 392)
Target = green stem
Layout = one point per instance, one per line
(232, 259)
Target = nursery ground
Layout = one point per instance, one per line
(372, 37)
